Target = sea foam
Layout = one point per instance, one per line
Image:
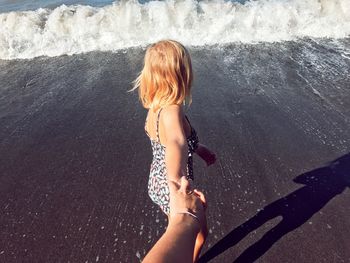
(124, 24)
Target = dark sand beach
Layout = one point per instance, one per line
(74, 157)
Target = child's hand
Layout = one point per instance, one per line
(209, 158)
(207, 155)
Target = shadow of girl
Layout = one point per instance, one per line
(320, 186)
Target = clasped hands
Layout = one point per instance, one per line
(187, 204)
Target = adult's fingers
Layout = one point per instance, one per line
(201, 197)
(184, 185)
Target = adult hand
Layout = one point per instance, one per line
(184, 201)
(178, 242)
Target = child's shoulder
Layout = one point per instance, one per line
(173, 111)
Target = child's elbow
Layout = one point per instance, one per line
(177, 142)
(180, 142)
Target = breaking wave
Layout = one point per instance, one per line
(124, 24)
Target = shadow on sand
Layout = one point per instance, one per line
(320, 186)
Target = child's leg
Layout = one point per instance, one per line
(201, 237)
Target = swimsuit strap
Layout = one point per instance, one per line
(189, 123)
(157, 130)
(146, 126)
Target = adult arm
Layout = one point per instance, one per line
(177, 243)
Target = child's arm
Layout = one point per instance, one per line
(176, 144)
(206, 154)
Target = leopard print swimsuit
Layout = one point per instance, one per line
(158, 189)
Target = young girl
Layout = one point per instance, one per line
(164, 85)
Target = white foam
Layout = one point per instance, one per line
(76, 29)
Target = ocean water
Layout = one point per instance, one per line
(76, 27)
(24, 5)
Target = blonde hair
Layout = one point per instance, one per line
(166, 77)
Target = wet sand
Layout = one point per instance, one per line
(74, 159)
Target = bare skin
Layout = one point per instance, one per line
(177, 243)
(173, 131)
